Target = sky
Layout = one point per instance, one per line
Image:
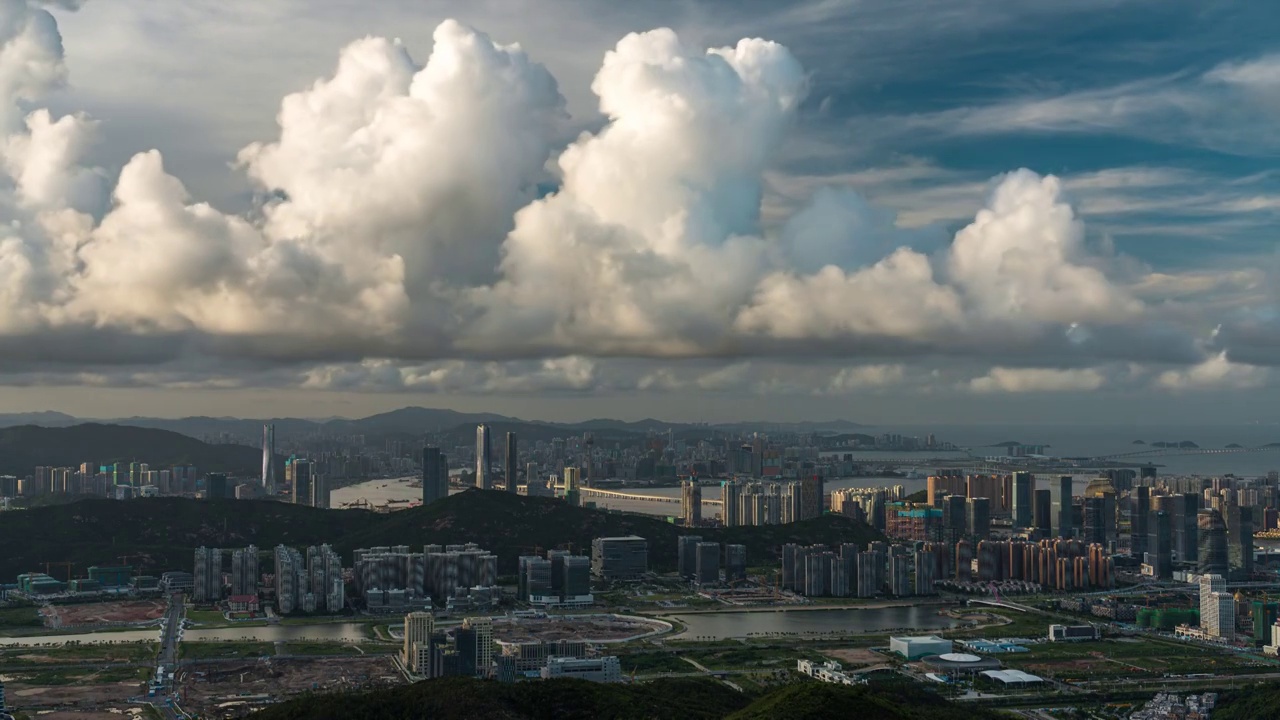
(888, 211)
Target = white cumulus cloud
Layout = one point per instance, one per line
(1018, 380)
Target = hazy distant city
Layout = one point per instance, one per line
(1002, 573)
(590, 360)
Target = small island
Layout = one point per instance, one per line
(1139, 442)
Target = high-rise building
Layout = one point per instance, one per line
(483, 628)
(1263, 614)
(926, 571)
(1095, 530)
(955, 518)
(435, 475)
(687, 555)
(812, 497)
(735, 562)
(1060, 512)
(1240, 524)
(1139, 516)
(207, 577)
(292, 581)
(691, 502)
(298, 473)
(320, 493)
(1212, 532)
(215, 486)
(484, 458)
(513, 458)
(576, 577)
(572, 491)
(1160, 544)
(620, 558)
(730, 491)
(1186, 528)
(535, 580)
(978, 517)
(899, 575)
(1023, 491)
(1217, 607)
(1043, 510)
(418, 627)
(269, 459)
(707, 571)
(244, 571)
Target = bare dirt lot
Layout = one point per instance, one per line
(84, 694)
(103, 612)
(854, 657)
(224, 688)
(118, 714)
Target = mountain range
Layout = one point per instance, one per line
(417, 421)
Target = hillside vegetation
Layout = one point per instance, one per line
(1259, 702)
(25, 447)
(670, 699)
(160, 533)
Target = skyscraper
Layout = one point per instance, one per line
(207, 577)
(1217, 607)
(435, 475)
(687, 554)
(484, 457)
(483, 628)
(512, 457)
(691, 502)
(1024, 484)
(298, 472)
(1160, 544)
(418, 627)
(1139, 514)
(1212, 543)
(1060, 513)
(1043, 510)
(269, 459)
(730, 492)
(979, 517)
(244, 571)
(1240, 538)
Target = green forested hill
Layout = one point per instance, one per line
(160, 533)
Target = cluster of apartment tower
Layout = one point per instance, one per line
(758, 502)
(1203, 526)
(310, 583)
(701, 561)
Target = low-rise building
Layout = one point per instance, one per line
(1072, 633)
(829, 671)
(916, 647)
(599, 669)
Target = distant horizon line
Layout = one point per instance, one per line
(121, 420)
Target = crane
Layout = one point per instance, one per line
(64, 563)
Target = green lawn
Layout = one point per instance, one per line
(221, 650)
(653, 662)
(72, 676)
(206, 616)
(337, 648)
(1128, 659)
(27, 616)
(115, 653)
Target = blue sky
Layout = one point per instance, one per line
(1159, 120)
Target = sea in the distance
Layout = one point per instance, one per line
(1060, 441)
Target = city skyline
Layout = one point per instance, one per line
(977, 230)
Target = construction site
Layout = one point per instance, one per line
(222, 689)
(103, 613)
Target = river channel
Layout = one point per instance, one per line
(722, 625)
(321, 632)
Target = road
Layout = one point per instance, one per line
(167, 661)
